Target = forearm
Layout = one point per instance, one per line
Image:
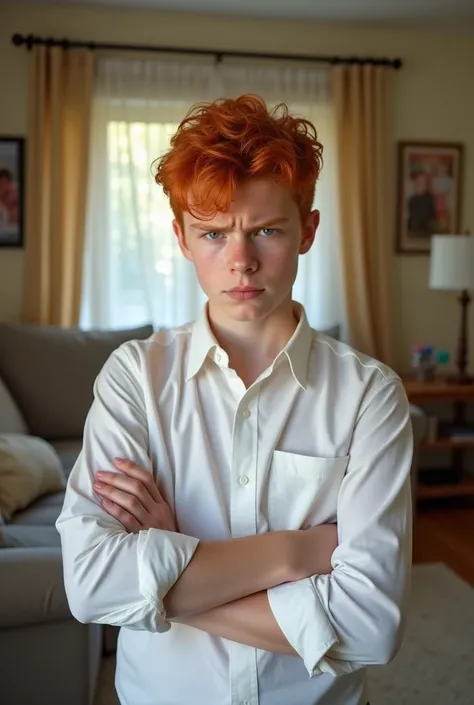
(225, 571)
(248, 621)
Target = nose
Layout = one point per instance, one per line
(242, 257)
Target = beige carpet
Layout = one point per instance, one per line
(435, 665)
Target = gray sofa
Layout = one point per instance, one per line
(46, 379)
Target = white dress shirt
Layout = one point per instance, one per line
(323, 435)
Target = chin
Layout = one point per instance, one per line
(238, 310)
(247, 310)
(246, 315)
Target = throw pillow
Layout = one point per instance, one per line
(29, 468)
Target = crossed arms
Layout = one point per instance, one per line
(223, 589)
(278, 591)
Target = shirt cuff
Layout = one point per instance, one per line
(302, 619)
(162, 558)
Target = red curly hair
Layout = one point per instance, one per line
(221, 144)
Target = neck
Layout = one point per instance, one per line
(253, 345)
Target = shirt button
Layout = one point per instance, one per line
(243, 480)
(218, 357)
(245, 414)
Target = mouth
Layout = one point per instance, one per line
(244, 293)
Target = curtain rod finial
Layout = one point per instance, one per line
(17, 39)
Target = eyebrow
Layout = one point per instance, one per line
(216, 228)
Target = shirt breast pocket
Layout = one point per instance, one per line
(303, 490)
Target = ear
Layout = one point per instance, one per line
(179, 232)
(309, 232)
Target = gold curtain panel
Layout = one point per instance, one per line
(60, 98)
(360, 104)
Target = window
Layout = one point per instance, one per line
(133, 270)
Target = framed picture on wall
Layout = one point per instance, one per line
(11, 191)
(429, 193)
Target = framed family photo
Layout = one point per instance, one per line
(11, 191)
(429, 193)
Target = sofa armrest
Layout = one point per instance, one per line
(32, 587)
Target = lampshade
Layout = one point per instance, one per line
(452, 262)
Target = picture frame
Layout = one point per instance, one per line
(12, 192)
(430, 189)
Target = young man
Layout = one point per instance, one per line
(255, 543)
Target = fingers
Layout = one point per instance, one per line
(132, 490)
(132, 497)
(132, 485)
(130, 523)
(138, 473)
(123, 498)
(126, 492)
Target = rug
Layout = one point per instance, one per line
(435, 665)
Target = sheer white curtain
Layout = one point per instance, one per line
(134, 272)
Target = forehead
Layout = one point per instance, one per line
(255, 201)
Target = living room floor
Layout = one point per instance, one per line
(444, 533)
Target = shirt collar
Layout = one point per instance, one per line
(296, 351)
(202, 342)
(298, 347)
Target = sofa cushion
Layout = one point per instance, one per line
(43, 512)
(29, 469)
(50, 372)
(18, 536)
(11, 420)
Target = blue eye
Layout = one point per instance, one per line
(212, 235)
(267, 231)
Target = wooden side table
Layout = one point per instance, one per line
(439, 390)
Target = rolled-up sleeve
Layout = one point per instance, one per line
(111, 576)
(355, 616)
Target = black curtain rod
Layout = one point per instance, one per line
(31, 39)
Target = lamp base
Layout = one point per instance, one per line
(460, 379)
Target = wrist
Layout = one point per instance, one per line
(291, 567)
(310, 551)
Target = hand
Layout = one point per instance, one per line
(132, 497)
(312, 551)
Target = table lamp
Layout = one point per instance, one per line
(452, 268)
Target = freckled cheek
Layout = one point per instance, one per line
(280, 263)
(209, 260)
(209, 266)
